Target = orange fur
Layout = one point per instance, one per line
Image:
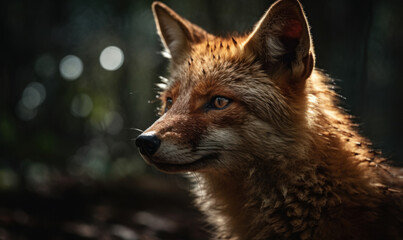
(280, 160)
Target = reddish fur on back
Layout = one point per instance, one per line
(281, 161)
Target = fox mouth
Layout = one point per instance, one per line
(174, 167)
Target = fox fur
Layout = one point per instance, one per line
(273, 156)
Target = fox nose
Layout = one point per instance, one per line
(148, 143)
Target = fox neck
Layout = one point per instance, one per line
(256, 205)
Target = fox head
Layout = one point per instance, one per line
(230, 100)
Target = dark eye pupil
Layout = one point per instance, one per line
(220, 102)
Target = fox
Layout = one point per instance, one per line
(259, 132)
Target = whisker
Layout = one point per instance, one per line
(137, 129)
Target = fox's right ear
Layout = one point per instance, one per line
(176, 33)
(282, 41)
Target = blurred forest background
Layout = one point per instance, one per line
(77, 77)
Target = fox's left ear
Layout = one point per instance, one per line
(282, 41)
(176, 33)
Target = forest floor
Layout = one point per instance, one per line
(146, 208)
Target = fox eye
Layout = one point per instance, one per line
(168, 103)
(219, 103)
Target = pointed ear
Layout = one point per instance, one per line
(176, 33)
(282, 41)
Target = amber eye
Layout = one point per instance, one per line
(168, 103)
(218, 103)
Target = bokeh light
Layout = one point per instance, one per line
(37, 173)
(8, 179)
(33, 95)
(25, 113)
(111, 58)
(81, 106)
(71, 67)
(113, 122)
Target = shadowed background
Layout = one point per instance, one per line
(77, 78)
